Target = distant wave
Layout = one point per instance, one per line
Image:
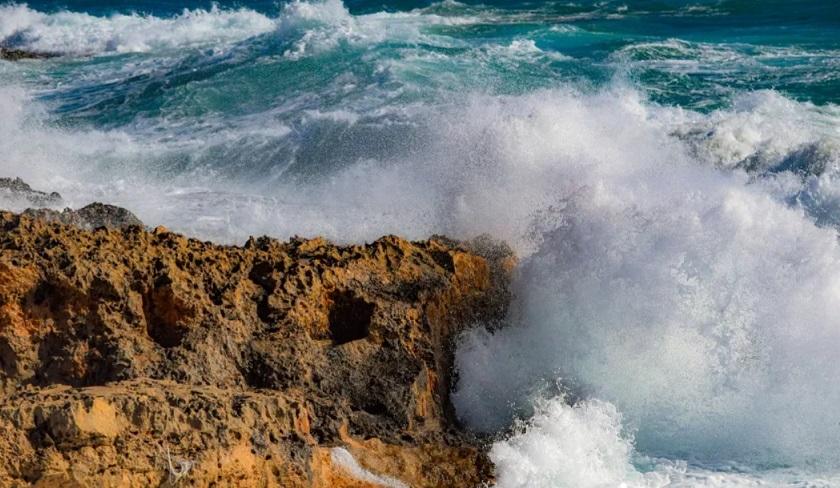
(80, 33)
(322, 24)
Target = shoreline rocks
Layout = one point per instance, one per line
(137, 358)
(88, 217)
(18, 191)
(19, 54)
(14, 192)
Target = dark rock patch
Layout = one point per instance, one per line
(20, 54)
(90, 217)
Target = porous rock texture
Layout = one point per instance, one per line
(131, 358)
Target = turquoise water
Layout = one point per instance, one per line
(668, 172)
(692, 54)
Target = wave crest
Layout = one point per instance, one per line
(80, 34)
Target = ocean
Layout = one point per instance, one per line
(667, 171)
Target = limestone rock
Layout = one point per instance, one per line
(134, 358)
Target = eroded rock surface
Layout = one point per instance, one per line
(135, 358)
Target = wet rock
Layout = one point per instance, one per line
(135, 358)
(14, 192)
(19, 193)
(19, 54)
(89, 217)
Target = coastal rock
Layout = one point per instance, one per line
(19, 54)
(14, 192)
(134, 358)
(19, 193)
(88, 217)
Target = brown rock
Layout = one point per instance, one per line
(134, 358)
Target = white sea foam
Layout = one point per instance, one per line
(520, 50)
(322, 25)
(702, 307)
(328, 24)
(582, 446)
(80, 33)
(343, 458)
(760, 130)
(586, 446)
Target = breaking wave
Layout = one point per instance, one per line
(80, 33)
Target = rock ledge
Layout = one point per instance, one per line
(133, 358)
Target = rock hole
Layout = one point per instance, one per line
(8, 358)
(444, 260)
(49, 296)
(375, 408)
(166, 335)
(349, 318)
(166, 317)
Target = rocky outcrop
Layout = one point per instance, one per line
(19, 54)
(88, 217)
(16, 193)
(135, 358)
(19, 193)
